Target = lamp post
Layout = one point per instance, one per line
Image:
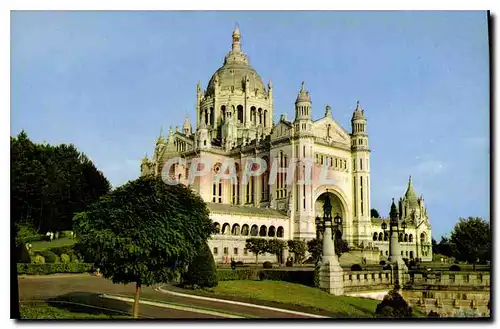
(394, 247)
(327, 223)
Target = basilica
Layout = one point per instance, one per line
(235, 122)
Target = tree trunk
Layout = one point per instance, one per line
(136, 301)
(256, 258)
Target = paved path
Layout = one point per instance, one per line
(89, 289)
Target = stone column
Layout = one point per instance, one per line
(400, 271)
(331, 275)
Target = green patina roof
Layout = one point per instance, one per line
(244, 210)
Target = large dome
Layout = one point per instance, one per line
(234, 71)
(232, 75)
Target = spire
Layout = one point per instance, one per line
(394, 211)
(303, 95)
(359, 113)
(236, 46)
(411, 195)
(328, 111)
(186, 128)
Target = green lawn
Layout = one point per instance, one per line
(44, 245)
(42, 310)
(297, 294)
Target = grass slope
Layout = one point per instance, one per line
(297, 294)
(44, 245)
(42, 310)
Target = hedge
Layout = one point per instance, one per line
(238, 274)
(52, 268)
(301, 277)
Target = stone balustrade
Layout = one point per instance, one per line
(367, 280)
(459, 279)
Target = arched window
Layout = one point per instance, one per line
(223, 112)
(406, 237)
(225, 229)
(235, 230)
(410, 238)
(253, 115)
(263, 230)
(280, 233)
(254, 231)
(272, 231)
(375, 236)
(244, 230)
(387, 253)
(260, 116)
(265, 182)
(240, 113)
(212, 115)
(380, 236)
(265, 118)
(386, 236)
(217, 228)
(235, 186)
(422, 238)
(400, 237)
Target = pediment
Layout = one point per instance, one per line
(329, 129)
(281, 129)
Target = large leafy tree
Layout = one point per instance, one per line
(257, 247)
(374, 213)
(471, 240)
(275, 247)
(49, 184)
(299, 248)
(145, 232)
(315, 248)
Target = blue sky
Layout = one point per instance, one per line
(107, 82)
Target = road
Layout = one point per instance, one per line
(89, 289)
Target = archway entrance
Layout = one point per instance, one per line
(336, 203)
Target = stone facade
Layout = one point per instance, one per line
(235, 122)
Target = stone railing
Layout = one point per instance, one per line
(463, 280)
(367, 280)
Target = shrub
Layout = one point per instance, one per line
(39, 259)
(393, 306)
(42, 269)
(382, 262)
(289, 263)
(65, 234)
(49, 256)
(268, 265)
(201, 272)
(65, 258)
(74, 258)
(239, 262)
(387, 267)
(433, 314)
(455, 268)
(68, 250)
(238, 274)
(356, 267)
(301, 277)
